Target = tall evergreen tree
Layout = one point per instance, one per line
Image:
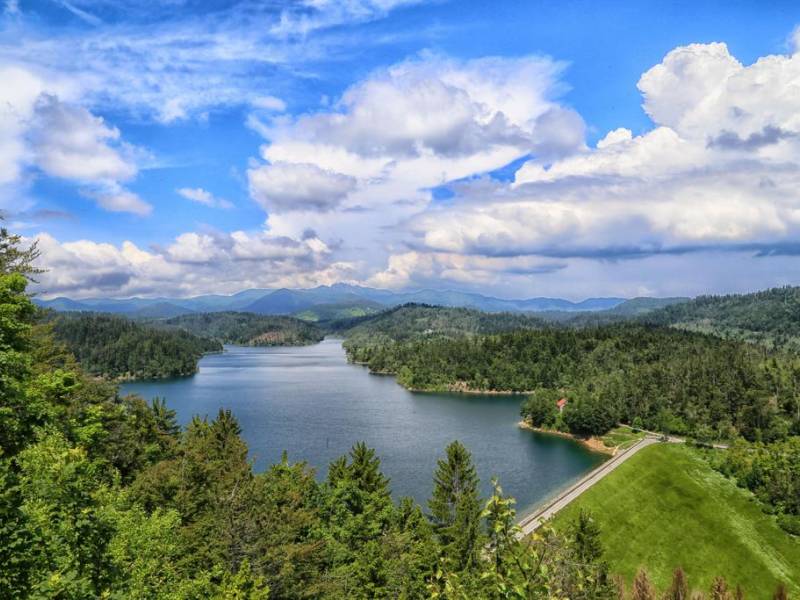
(679, 589)
(642, 587)
(455, 509)
(720, 590)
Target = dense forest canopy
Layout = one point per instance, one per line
(662, 378)
(116, 347)
(770, 316)
(248, 329)
(421, 320)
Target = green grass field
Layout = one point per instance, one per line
(622, 437)
(666, 507)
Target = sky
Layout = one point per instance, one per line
(516, 149)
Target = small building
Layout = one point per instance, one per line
(561, 404)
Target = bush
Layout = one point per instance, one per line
(790, 524)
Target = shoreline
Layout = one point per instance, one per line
(592, 443)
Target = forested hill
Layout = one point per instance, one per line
(115, 347)
(662, 378)
(770, 316)
(421, 320)
(248, 329)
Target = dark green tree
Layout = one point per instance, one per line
(455, 509)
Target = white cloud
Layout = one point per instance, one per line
(194, 263)
(401, 131)
(204, 197)
(718, 175)
(39, 131)
(270, 103)
(70, 142)
(282, 187)
(112, 197)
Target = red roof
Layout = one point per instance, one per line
(561, 403)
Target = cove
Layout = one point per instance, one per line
(310, 402)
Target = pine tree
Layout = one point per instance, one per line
(719, 589)
(455, 507)
(365, 470)
(679, 590)
(642, 587)
(586, 534)
(781, 593)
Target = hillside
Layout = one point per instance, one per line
(662, 378)
(248, 329)
(771, 316)
(117, 348)
(630, 309)
(666, 506)
(420, 320)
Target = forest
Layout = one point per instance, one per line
(410, 321)
(118, 348)
(769, 317)
(103, 496)
(658, 378)
(247, 329)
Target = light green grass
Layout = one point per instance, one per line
(622, 436)
(666, 507)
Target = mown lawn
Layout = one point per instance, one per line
(666, 507)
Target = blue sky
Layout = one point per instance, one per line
(189, 147)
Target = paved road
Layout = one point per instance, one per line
(532, 522)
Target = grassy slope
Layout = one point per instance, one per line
(666, 507)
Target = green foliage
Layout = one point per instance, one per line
(16, 258)
(115, 347)
(420, 321)
(541, 409)
(247, 329)
(455, 507)
(682, 382)
(588, 414)
(768, 317)
(771, 471)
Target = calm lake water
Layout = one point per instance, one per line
(311, 403)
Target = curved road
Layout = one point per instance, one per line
(532, 522)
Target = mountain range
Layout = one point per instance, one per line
(319, 303)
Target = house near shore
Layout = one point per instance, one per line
(561, 404)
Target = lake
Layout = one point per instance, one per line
(310, 402)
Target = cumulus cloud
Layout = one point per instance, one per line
(370, 158)
(719, 170)
(204, 197)
(282, 187)
(70, 142)
(194, 263)
(714, 183)
(440, 106)
(41, 133)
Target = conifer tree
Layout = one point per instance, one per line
(586, 534)
(719, 589)
(781, 593)
(365, 470)
(679, 589)
(455, 509)
(642, 587)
